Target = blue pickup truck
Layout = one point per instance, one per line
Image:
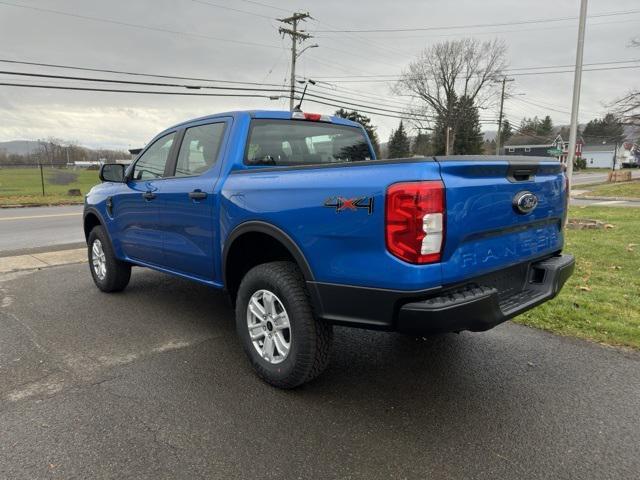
(293, 216)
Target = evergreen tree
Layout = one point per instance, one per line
(530, 126)
(399, 144)
(545, 128)
(489, 147)
(506, 132)
(564, 132)
(605, 130)
(468, 135)
(439, 137)
(422, 145)
(365, 121)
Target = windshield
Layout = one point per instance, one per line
(294, 142)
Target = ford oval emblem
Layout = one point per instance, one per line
(525, 202)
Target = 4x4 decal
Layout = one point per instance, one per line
(340, 203)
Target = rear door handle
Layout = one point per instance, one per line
(197, 195)
(148, 195)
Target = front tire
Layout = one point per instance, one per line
(285, 343)
(109, 274)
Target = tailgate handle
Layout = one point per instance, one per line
(521, 173)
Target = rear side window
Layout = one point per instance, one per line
(295, 142)
(199, 149)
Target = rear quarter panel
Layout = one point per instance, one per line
(343, 247)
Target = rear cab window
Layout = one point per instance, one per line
(296, 142)
(199, 149)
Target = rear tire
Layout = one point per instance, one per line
(285, 343)
(109, 274)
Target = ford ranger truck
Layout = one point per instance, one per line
(293, 216)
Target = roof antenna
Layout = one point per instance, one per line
(299, 106)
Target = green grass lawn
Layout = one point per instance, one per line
(601, 301)
(621, 189)
(592, 170)
(23, 185)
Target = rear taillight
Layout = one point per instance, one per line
(414, 221)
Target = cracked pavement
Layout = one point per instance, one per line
(151, 383)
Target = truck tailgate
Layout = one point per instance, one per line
(485, 230)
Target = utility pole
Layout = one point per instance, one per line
(504, 81)
(577, 80)
(446, 152)
(296, 36)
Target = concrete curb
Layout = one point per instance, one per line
(29, 205)
(36, 261)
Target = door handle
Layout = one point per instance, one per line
(197, 195)
(148, 195)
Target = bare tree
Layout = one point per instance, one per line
(627, 108)
(447, 71)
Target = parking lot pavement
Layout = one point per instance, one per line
(151, 383)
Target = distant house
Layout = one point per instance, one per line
(629, 155)
(599, 155)
(603, 155)
(530, 145)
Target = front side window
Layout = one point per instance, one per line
(199, 149)
(153, 161)
(294, 142)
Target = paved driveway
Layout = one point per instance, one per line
(151, 383)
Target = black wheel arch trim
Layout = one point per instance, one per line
(257, 226)
(92, 210)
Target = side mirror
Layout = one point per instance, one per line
(112, 172)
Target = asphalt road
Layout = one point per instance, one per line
(151, 383)
(34, 227)
(587, 178)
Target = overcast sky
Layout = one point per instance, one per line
(123, 120)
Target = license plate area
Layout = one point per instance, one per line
(507, 281)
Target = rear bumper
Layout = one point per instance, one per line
(476, 305)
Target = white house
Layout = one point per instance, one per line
(629, 155)
(599, 156)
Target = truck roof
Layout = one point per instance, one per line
(266, 114)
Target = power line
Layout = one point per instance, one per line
(224, 7)
(138, 74)
(539, 106)
(545, 104)
(416, 115)
(176, 85)
(508, 70)
(266, 5)
(396, 37)
(132, 82)
(148, 92)
(338, 93)
(173, 77)
(391, 80)
(477, 25)
(403, 117)
(138, 26)
(193, 94)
